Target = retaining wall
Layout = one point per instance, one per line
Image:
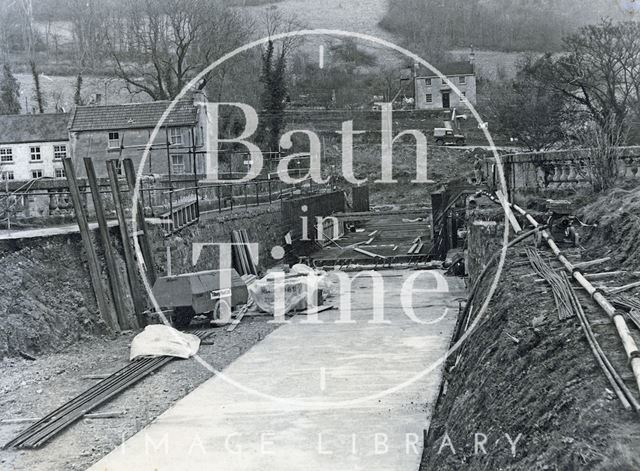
(47, 301)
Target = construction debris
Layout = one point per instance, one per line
(49, 426)
(97, 415)
(559, 288)
(162, 340)
(279, 292)
(369, 254)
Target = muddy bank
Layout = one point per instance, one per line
(46, 301)
(526, 392)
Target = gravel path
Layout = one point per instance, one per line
(34, 388)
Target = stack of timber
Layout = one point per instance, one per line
(243, 259)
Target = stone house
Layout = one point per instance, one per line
(32, 146)
(123, 131)
(432, 93)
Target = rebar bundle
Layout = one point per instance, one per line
(46, 428)
(561, 294)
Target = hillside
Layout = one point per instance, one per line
(508, 25)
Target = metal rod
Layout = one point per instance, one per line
(92, 259)
(143, 238)
(117, 295)
(129, 259)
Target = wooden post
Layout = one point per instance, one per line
(143, 238)
(169, 172)
(112, 269)
(92, 259)
(195, 170)
(129, 259)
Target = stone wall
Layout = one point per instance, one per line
(546, 172)
(47, 301)
(484, 238)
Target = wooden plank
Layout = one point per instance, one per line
(369, 254)
(143, 234)
(238, 319)
(517, 228)
(589, 263)
(620, 289)
(245, 239)
(117, 295)
(364, 215)
(92, 259)
(316, 310)
(129, 259)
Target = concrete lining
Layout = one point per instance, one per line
(221, 427)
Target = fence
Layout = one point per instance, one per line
(180, 200)
(564, 170)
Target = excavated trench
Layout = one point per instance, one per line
(524, 391)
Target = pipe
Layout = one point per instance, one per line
(630, 347)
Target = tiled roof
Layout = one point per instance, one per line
(19, 128)
(132, 116)
(450, 68)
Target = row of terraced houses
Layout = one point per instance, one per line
(32, 146)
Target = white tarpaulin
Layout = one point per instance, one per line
(161, 340)
(296, 290)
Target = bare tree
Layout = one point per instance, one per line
(89, 21)
(603, 152)
(171, 41)
(527, 110)
(600, 72)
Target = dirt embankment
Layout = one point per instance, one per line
(46, 301)
(617, 215)
(525, 377)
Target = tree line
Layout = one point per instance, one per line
(511, 25)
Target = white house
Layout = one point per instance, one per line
(32, 146)
(432, 93)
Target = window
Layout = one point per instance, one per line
(6, 154)
(427, 82)
(114, 140)
(177, 164)
(175, 136)
(7, 175)
(462, 80)
(36, 156)
(429, 98)
(60, 173)
(60, 152)
(36, 173)
(200, 136)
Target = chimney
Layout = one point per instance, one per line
(472, 56)
(199, 96)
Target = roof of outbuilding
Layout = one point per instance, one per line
(449, 68)
(22, 128)
(132, 116)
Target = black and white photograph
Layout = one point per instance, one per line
(319, 235)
